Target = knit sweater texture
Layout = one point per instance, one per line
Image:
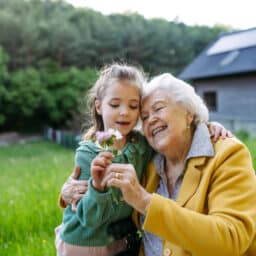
(97, 210)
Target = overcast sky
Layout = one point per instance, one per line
(237, 14)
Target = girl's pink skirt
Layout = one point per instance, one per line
(64, 249)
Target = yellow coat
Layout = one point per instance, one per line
(215, 211)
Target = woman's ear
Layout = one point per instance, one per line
(190, 118)
(97, 105)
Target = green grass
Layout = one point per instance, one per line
(31, 178)
(251, 144)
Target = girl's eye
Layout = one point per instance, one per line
(114, 105)
(134, 107)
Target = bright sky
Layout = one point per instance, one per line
(239, 14)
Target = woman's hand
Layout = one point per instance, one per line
(124, 177)
(218, 130)
(98, 169)
(73, 190)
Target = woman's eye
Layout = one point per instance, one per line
(144, 118)
(134, 107)
(158, 108)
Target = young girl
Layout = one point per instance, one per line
(116, 104)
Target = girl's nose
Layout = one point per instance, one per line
(123, 111)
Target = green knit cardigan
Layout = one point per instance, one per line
(97, 210)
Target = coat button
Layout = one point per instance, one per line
(167, 252)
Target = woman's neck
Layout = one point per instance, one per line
(173, 172)
(175, 160)
(177, 153)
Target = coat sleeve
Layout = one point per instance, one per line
(95, 208)
(229, 225)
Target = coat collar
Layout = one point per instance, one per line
(191, 180)
(201, 149)
(201, 143)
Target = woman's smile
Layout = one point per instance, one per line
(158, 130)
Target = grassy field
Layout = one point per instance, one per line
(30, 179)
(251, 144)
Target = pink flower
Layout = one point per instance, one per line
(103, 136)
(106, 139)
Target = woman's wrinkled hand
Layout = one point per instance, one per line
(218, 130)
(73, 190)
(124, 177)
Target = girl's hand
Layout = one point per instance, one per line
(218, 130)
(98, 168)
(73, 190)
(124, 177)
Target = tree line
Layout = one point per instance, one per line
(50, 53)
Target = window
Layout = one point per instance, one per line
(210, 98)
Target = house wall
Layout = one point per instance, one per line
(236, 100)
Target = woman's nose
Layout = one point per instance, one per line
(152, 119)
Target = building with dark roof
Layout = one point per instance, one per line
(224, 75)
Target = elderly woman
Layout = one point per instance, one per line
(202, 198)
(199, 195)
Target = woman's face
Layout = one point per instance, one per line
(164, 122)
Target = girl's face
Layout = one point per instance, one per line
(119, 107)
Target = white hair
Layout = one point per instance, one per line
(181, 93)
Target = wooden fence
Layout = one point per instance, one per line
(65, 138)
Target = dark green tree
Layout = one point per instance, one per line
(51, 51)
